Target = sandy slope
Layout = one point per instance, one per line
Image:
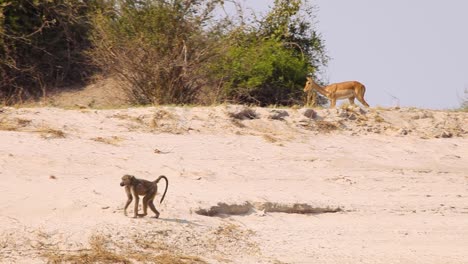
(399, 176)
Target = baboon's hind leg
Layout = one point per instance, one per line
(145, 206)
(151, 205)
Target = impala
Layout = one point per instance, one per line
(344, 90)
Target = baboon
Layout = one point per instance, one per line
(135, 187)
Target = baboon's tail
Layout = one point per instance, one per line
(167, 185)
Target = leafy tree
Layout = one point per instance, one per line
(163, 51)
(267, 62)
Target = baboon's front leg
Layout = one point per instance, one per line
(137, 201)
(129, 199)
(135, 210)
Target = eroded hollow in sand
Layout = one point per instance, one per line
(267, 207)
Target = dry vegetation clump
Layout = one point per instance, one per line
(229, 234)
(8, 125)
(97, 253)
(269, 138)
(13, 124)
(161, 115)
(20, 124)
(100, 252)
(121, 116)
(151, 244)
(177, 259)
(379, 119)
(114, 140)
(231, 230)
(245, 113)
(320, 126)
(325, 126)
(237, 123)
(50, 133)
(166, 122)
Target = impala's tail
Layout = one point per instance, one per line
(167, 185)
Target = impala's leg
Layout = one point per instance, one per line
(360, 96)
(332, 103)
(361, 99)
(351, 101)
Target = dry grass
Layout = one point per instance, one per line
(161, 120)
(166, 122)
(151, 244)
(20, 124)
(320, 126)
(177, 259)
(5, 240)
(13, 124)
(50, 133)
(234, 235)
(100, 251)
(230, 233)
(379, 119)
(8, 125)
(114, 140)
(269, 138)
(325, 126)
(121, 116)
(228, 230)
(162, 115)
(97, 253)
(237, 123)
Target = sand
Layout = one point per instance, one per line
(246, 185)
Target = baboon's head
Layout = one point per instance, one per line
(127, 180)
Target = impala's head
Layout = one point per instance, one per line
(127, 180)
(308, 85)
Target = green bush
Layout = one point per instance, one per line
(263, 72)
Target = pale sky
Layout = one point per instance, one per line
(414, 50)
